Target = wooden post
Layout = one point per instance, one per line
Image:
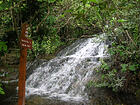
(22, 77)
(22, 68)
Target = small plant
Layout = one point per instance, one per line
(109, 77)
(3, 48)
(1, 90)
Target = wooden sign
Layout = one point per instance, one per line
(25, 44)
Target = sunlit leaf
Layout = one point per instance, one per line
(103, 76)
(68, 11)
(1, 91)
(5, 5)
(1, 2)
(122, 20)
(95, 1)
(124, 67)
(88, 5)
(132, 68)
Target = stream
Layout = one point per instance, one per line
(63, 80)
(65, 77)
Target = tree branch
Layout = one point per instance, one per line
(64, 24)
(43, 20)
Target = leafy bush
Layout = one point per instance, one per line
(110, 78)
(46, 46)
(120, 20)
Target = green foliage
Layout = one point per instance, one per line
(109, 78)
(124, 67)
(121, 21)
(53, 22)
(3, 46)
(104, 65)
(1, 90)
(47, 46)
(132, 67)
(95, 1)
(49, 1)
(5, 5)
(90, 84)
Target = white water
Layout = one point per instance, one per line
(65, 76)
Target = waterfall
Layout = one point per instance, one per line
(65, 76)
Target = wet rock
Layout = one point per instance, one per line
(105, 96)
(38, 100)
(138, 95)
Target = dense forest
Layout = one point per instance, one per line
(54, 24)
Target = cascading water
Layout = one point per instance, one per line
(65, 76)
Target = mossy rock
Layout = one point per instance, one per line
(138, 95)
